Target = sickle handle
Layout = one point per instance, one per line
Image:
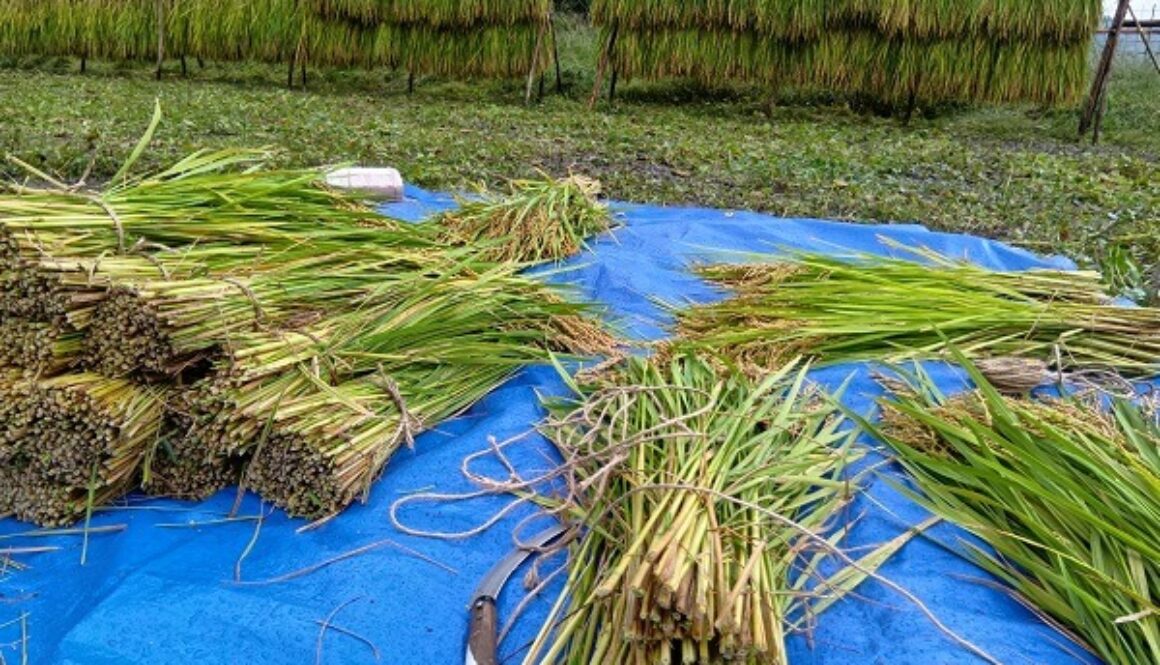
(481, 642)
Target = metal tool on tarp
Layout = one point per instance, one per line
(482, 639)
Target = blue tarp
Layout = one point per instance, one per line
(161, 591)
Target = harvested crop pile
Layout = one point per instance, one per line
(870, 308)
(1063, 491)
(535, 221)
(219, 322)
(674, 470)
(77, 440)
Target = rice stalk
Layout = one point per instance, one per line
(1064, 494)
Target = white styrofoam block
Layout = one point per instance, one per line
(379, 183)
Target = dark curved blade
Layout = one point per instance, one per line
(495, 580)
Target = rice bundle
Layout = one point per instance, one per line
(219, 322)
(868, 308)
(670, 467)
(1063, 491)
(437, 13)
(898, 51)
(498, 38)
(76, 441)
(37, 349)
(183, 464)
(536, 220)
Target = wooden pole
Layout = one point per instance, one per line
(160, 37)
(1096, 98)
(1144, 38)
(535, 63)
(556, 55)
(602, 66)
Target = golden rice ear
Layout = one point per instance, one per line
(536, 221)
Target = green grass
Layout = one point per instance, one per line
(1012, 173)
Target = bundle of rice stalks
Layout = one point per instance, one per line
(1063, 492)
(321, 434)
(1056, 21)
(901, 52)
(438, 13)
(183, 463)
(493, 38)
(68, 291)
(867, 309)
(535, 221)
(76, 442)
(670, 470)
(38, 349)
(215, 197)
(277, 324)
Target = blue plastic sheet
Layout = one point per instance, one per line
(163, 589)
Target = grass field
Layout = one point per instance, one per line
(1012, 173)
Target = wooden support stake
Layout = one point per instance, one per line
(160, 37)
(602, 66)
(1094, 107)
(612, 85)
(535, 63)
(1144, 38)
(556, 55)
(410, 81)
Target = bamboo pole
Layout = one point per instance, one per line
(1144, 38)
(535, 63)
(1093, 109)
(602, 66)
(556, 54)
(160, 37)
